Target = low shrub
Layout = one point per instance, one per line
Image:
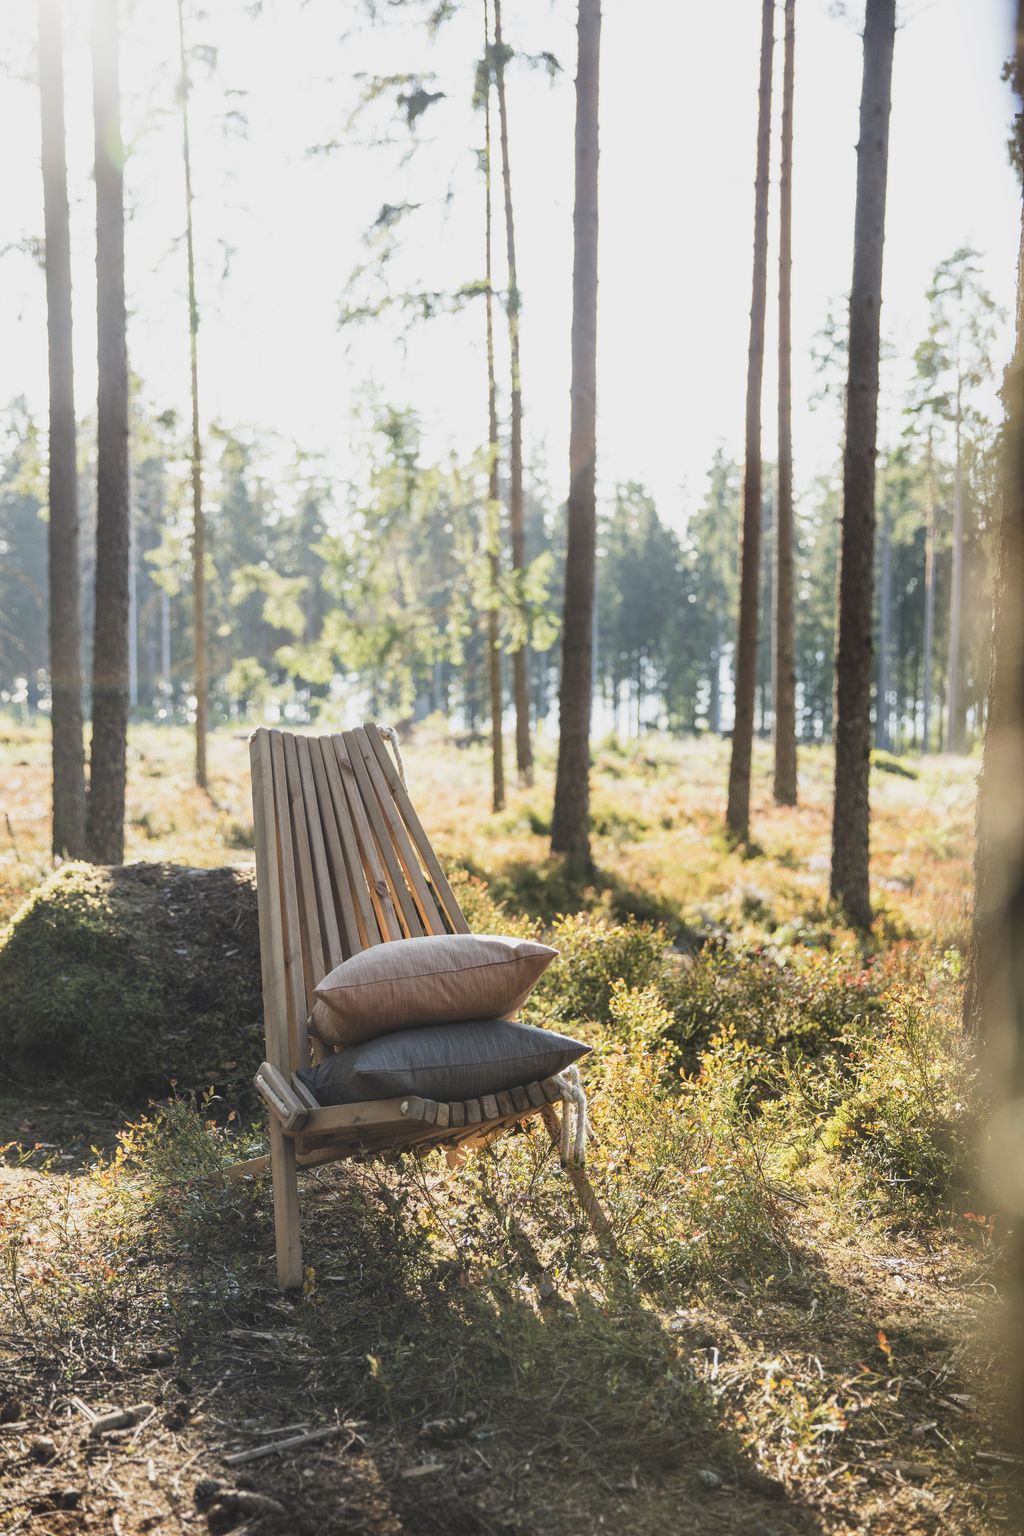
(907, 1120)
(127, 979)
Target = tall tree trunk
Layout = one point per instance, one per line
(882, 741)
(850, 821)
(105, 814)
(198, 516)
(570, 823)
(954, 691)
(738, 809)
(493, 504)
(995, 994)
(68, 837)
(928, 643)
(517, 530)
(785, 668)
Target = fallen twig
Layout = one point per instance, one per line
(239, 1458)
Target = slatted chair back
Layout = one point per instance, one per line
(342, 862)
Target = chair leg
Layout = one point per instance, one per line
(286, 1208)
(599, 1223)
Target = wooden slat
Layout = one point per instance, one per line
(489, 1105)
(429, 915)
(412, 923)
(298, 1046)
(520, 1099)
(505, 1104)
(330, 934)
(313, 967)
(535, 1094)
(280, 1098)
(388, 921)
(268, 900)
(366, 922)
(339, 874)
(474, 1112)
(335, 1118)
(438, 878)
(442, 1119)
(457, 1114)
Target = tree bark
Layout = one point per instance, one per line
(882, 741)
(493, 529)
(517, 530)
(995, 994)
(954, 692)
(105, 814)
(68, 834)
(570, 823)
(738, 809)
(198, 516)
(850, 883)
(785, 668)
(928, 643)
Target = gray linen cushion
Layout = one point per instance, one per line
(444, 1061)
(441, 979)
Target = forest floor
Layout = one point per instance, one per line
(809, 1342)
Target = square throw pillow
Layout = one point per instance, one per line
(443, 1061)
(443, 979)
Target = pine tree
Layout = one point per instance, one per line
(196, 455)
(105, 813)
(785, 667)
(738, 809)
(517, 527)
(492, 525)
(570, 823)
(68, 837)
(850, 822)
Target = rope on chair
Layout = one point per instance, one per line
(574, 1101)
(388, 733)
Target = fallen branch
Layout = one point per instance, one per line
(121, 1418)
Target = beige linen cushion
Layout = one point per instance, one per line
(442, 979)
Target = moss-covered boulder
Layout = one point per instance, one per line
(125, 979)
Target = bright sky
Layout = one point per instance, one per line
(678, 107)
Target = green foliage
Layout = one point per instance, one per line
(905, 1119)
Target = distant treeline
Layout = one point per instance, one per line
(316, 593)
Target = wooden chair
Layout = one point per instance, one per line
(342, 862)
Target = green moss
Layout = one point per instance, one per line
(129, 978)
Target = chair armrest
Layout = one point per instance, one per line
(281, 1099)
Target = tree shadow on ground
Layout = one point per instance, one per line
(487, 1390)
